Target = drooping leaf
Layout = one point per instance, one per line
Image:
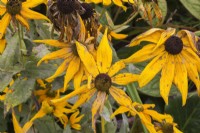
(187, 117)
(193, 6)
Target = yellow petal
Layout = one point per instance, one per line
(84, 97)
(104, 54)
(27, 126)
(87, 59)
(76, 126)
(164, 36)
(124, 78)
(29, 14)
(180, 78)
(54, 43)
(33, 3)
(120, 96)
(144, 54)
(97, 107)
(4, 24)
(152, 69)
(70, 95)
(106, 2)
(118, 36)
(78, 77)
(2, 10)
(60, 69)
(167, 76)
(72, 69)
(22, 21)
(16, 125)
(155, 115)
(188, 39)
(2, 45)
(176, 130)
(116, 68)
(119, 3)
(120, 110)
(74, 119)
(152, 35)
(55, 55)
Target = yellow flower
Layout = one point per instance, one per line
(109, 2)
(72, 64)
(58, 109)
(46, 92)
(167, 125)
(74, 120)
(17, 127)
(17, 10)
(102, 78)
(173, 54)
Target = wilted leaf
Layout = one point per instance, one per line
(22, 90)
(193, 6)
(188, 116)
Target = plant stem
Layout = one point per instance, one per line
(132, 91)
(102, 125)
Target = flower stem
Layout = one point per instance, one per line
(132, 91)
(102, 125)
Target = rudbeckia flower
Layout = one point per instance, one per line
(109, 2)
(75, 119)
(102, 78)
(175, 55)
(72, 63)
(18, 11)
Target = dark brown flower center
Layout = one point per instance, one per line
(139, 108)
(68, 6)
(167, 128)
(88, 11)
(174, 45)
(14, 7)
(102, 82)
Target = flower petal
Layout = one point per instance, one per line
(78, 77)
(120, 4)
(4, 24)
(152, 69)
(22, 21)
(152, 35)
(54, 43)
(84, 97)
(116, 68)
(29, 14)
(2, 10)
(106, 2)
(87, 59)
(120, 110)
(120, 96)
(104, 54)
(33, 3)
(16, 125)
(118, 36)
(97, 107)
(72, 69)
(180, 78)
(144, 54)
(2, 45)
(124, 78)
(167, 76)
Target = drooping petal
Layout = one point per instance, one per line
(72, 69)
(120, 4)
(74, 118)
(4, 24)
(118, 36)
(2, 10)
(55, 55)
(120, 110)
(164, 36)
(82, 30)
(16, 125)
(87, 59)
(54, 43)
(104, 54)
(78, 77)
(152, 35)
(60, 69)
(155, 115)
(27, 126)
(32, 3)
(167, 76)
(180, 78)
(152, 69)
(2, 45)
(84, 97)
(115, 68)
(144, 54)
(124, 78)
(97, 107)
(29, 14)
(120, 96)
(22, 21)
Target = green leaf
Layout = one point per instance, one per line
(163, 7)
(125, 125)
(188, 116)
(22, 90)
(5, 79)
(42, 29)
(193, 6)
